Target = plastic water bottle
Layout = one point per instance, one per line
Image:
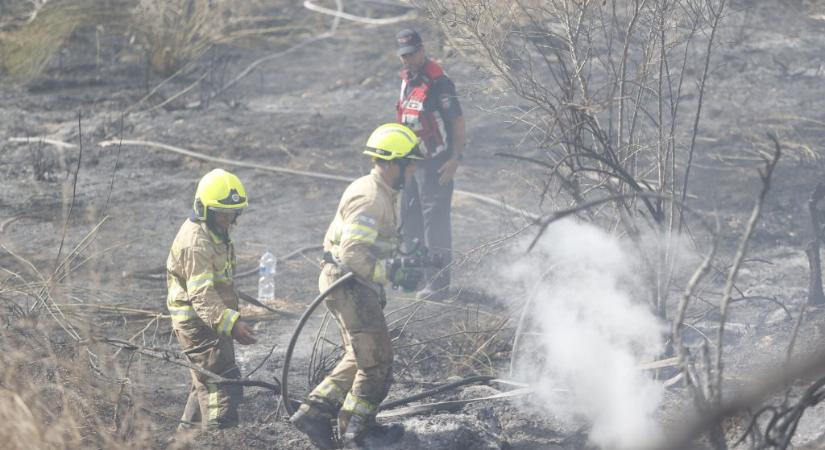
(266, 280)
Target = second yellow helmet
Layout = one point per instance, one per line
(393, 141)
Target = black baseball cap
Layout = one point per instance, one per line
(407, 41)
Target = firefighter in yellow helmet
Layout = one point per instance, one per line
(202, 301)
(362, 238)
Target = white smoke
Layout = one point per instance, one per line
(590, 328)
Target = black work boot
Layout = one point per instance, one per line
(316, 425)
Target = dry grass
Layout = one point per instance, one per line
(27, 48)
(58, 388)
(171, 33)
(175, 32)
(51, 399)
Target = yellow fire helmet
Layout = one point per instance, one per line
(393, 141)
(219, 190)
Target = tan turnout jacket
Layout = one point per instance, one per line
(364, 229)
(199, 269)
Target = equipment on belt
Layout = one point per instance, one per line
(404, 270)
(402, 275)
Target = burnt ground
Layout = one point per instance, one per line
(312, 109)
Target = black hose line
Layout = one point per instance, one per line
(295, 334)
(289, 406)
(438, 390)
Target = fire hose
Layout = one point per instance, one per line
(295, 334)
(288, 406)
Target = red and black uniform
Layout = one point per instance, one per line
(427, 104)
(426, 100)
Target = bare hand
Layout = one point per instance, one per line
(242, 333)
(447, 171)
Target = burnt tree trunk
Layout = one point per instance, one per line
(815, 294)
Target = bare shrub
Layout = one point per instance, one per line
(43, 163)
(611, 95)
(175, 32)
(467, 344)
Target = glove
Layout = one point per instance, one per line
(404, 276)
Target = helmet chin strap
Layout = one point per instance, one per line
(210, 222)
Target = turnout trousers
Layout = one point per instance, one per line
(210, 405)
(361, 380)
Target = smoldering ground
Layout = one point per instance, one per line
(586, 326)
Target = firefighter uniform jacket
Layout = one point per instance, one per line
(364, 229)
(199, 269)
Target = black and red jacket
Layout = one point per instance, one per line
(410, 111)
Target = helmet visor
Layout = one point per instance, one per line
(415, 153)
(235, 211)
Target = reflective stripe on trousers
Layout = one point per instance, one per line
(357, 406)
(330, 392)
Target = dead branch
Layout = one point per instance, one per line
(765, 175)
(277, 169)
(784, 418)
(558, 215)
(807, 367)
(451, 405)
(113, 309)
(253, 301)
(697, 276)
(795, 332)
(717, 15)
(815, 293)
(43, 140)
(224, 161)
(483, 379)
(180, 359)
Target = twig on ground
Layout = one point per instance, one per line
(180, 360)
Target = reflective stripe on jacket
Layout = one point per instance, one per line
(199, 272)
(364, 229)
(428, 125)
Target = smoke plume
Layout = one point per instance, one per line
(588, 329)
